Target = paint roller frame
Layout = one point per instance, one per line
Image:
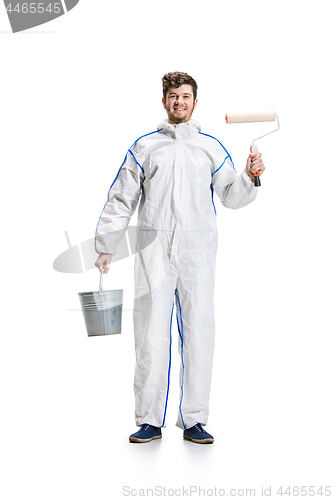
(267, 116)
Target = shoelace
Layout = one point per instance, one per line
(199, 428)
(144, 427)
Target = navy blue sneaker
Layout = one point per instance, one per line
(198, 435)
(145, 434)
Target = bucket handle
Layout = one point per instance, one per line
(100, 289)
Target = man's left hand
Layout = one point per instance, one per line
(254, 164)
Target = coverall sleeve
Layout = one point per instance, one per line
(122, 201)
(234, 191)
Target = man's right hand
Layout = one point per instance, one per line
(103, 262)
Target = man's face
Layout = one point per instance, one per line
(179, 103)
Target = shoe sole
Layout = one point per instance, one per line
(140, 440)
(199, 441)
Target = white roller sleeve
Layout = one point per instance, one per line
(267, 116)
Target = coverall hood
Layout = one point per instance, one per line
(187, 130)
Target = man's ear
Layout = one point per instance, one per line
(163, 102)
(195, 104)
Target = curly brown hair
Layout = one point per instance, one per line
(177, 79)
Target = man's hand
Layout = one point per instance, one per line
(103, 262)
(254, 164)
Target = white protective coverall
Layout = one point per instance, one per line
(175, 171)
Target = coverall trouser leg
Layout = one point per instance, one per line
(160, 285)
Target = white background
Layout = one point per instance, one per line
(76, 93)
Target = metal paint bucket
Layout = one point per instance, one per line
(102, 310)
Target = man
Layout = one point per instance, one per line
(174, 171)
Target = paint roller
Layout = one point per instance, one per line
(268, 116)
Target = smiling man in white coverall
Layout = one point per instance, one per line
(174, 172)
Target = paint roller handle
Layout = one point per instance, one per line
(254, 149)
